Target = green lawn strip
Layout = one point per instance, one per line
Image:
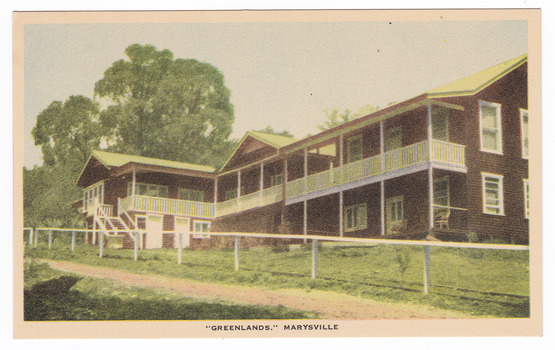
(385, 273)
(99, 299)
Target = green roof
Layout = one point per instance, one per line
(474, 83)
(116, 160)
(273, 140)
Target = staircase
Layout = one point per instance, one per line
(114, 225)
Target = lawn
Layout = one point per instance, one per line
(98, 299)
(482, 283)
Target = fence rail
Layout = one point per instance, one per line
(315, 239)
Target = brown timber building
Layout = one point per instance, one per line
(451, 164)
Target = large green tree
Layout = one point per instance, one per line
(158, 106)
(68, 131)
(154, 105)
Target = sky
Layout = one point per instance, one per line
(280, 74)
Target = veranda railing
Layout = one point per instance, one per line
(444, 152)
(168, 206)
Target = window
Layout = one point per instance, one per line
(93, 194)
(490, 124)
(524, 130)
(492, 192)
(187, 194)
(394, 214)
(355, 217)
(201, 226)
(393, 139)
(526, 198)
(441, 196)
(354, 149)
(440, 125)
(232, 194)
(150, 190)
(276, 179)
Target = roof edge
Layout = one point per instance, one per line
(509, 69)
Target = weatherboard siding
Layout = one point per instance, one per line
(511, 93)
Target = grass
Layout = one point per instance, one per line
(480, 283)
(97, 299)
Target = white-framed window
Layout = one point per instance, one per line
(199, 227)
(393, 138)
(92, 194)
(490, 127)
(143, 189)
(276, 180)
(354, 149)
(526, 198)
(440, 125)
(492, 194)
(355, 217)
(442, 198)
(524, 132)
(188, 194)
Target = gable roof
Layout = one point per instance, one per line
(110, 160)
(474, 83)
(272, 140)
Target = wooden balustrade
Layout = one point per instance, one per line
(295, 188)
(168, 206)
(272, 195)
(444, 152)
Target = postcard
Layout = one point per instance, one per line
(291, 174)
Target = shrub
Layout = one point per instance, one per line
(472, 237)
(284, 248)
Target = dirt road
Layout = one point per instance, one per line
(328, 305)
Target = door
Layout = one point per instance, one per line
(182, 226)
(154, 232)
(395, 216)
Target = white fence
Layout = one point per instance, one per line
(315, 239)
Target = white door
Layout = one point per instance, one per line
(154, 230)
(182, 226)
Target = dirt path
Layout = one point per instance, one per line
(328, 305)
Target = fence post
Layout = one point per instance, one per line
(101, 243)
(72, 241)
(314, 257)
(180, 248)
(426, 269)
(136, 250)
(237, 253)
(36, 237)
(31, 237)
(49, 239)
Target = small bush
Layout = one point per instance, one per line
(281, 248)
(472, 237)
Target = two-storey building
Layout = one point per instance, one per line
(444, 164)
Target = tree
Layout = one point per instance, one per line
(48, 196)
(67, 132)
(176, 109)
(334, 118)
(270, 130)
